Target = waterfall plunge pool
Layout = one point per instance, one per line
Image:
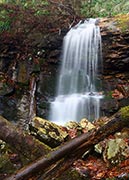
(74, 107)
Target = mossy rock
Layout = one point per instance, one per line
(116, 150)
(48, 132)
(72, 125)
(85, 124)
(125, 112)
(6, 166)
(122, 21)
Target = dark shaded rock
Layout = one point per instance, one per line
(124, 102)
(51, 41)
(115, 45)
(5, 87)
(46, 89)
(23, 73)
(54, 56)
(36, 38)
(109, 106)
(8, 107)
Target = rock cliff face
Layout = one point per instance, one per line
(115, 43)
(115, 75)
(115, 46)
(45, 62)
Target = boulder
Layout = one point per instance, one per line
(115, 149)
(48, 132)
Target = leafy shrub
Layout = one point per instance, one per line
(4, 21)
(104, 8)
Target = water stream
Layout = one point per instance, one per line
(77, 93)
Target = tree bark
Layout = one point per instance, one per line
(23, 143)
(76, 146)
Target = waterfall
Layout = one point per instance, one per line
(77, 94)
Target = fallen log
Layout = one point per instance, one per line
(58, 169)
(21, 142)
(78, 145)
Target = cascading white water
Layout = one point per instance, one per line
(77, 95)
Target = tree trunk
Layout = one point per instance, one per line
(23, 143)
(76, 146)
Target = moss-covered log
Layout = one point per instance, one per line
(21, 142)
(76, 146)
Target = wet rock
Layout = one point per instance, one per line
(99, 148)
(72, 125)
(22, 76)
(46, 88)
(53, 40)
(8, 107)
(23, 108)
(124, 102)
(109, 106)
(115, 45)
(36, 38)
(48, 132)
(116, 150)
(85, 124)
(76, 128)
(54, 56)
(116, 93)
(5, 87)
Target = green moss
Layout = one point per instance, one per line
(125, 112)
(48, 155)
(5, 164)
(48, 130)
(47, 149)
(116, 150)
(122, 22)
